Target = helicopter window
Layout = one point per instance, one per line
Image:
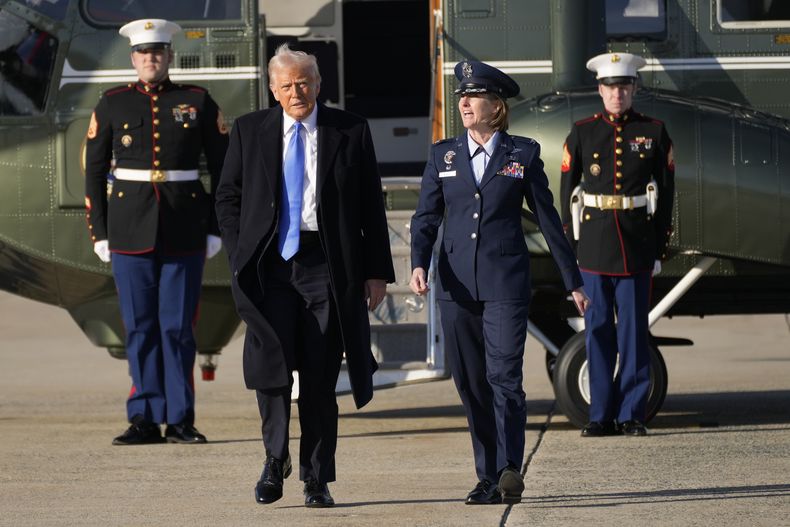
(117, 11)
(27, 56)
(55, 9)
(636, 19)
(751, 14)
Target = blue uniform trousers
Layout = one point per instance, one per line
(629, 297)
(159, 297)
(484, 342)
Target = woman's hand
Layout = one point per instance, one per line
(418, 282)
(581, 300)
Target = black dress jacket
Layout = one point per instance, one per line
(352, 227)
(163, 127)
(619, 155)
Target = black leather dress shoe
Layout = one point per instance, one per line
(140, 433)
(634, 428)
(183, 433)
(317, 494)
(484, 493)
(270, 487)
(598, 429)
(511, 485)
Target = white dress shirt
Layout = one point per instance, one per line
(309, 136)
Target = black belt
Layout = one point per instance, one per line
(308, 239)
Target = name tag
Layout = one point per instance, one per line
(449, 173)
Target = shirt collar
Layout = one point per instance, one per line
(310, 123)
(488, 147)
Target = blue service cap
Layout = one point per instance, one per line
(479, 77)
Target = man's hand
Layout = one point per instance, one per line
(581, 300)
(213, 245)
(102, 250)
(418, 283)
(375, 290)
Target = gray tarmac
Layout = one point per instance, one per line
(717, 454)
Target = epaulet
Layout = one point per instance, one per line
(588, 119)
(446, 140)
(192, 87)
(523, 140)
(119, 89)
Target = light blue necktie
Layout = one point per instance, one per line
(291, 205)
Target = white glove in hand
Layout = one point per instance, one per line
(213, 245)
(656, 267)
(102, 250)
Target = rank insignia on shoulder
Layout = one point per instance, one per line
(514, 170)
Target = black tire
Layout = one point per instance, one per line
(571, 400)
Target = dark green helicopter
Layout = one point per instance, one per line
(716, 74)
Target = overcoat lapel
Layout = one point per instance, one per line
(270, 140)
(329, 139)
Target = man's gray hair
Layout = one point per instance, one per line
(285, 56)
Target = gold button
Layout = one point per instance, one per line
(156, 109)
(156, 163)
(125, 126)
(642, 156)
(596, 155)
(155, 97)
(90, 227)
(156, 121)
(618, 186)
(147, 88)
(618, 151)
(157, 148)
(120, 194)
(186, 125)
(129, 85)
(93, 238)
(586, 216)
(156, 135)
(611, 117)
(619, 163)
(619, 174)
(618, 139)
(619, 128)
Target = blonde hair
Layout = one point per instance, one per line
(500, 120)
(285, 56)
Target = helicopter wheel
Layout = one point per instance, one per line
(572, 387)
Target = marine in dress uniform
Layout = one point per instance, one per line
(475, 184)
(617, 190)
(156, 223)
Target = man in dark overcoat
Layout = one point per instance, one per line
(302, 217)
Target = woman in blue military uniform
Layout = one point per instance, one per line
(476, 184)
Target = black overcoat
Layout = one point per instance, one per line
(351, 223)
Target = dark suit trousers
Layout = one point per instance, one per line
(297, 302)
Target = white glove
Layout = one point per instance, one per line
(656, 267)
(213, 245)
(102, 250)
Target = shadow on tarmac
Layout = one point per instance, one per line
(613, 499)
